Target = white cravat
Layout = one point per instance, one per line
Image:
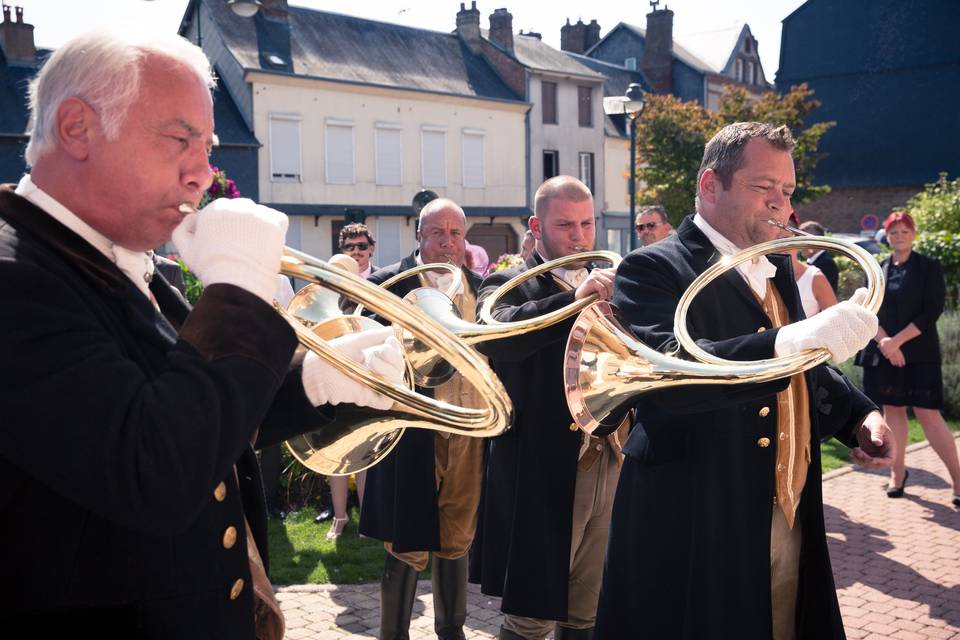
(573, 277)
(441, 279)
(136, 265)
(755, 272)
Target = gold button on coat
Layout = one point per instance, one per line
(229, 537)
(764, 412)
(236, 589)
(573, 426)
(761, 329)
(220, 492)
(763, 443)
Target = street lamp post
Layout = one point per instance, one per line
(630, 106)
(243, 8)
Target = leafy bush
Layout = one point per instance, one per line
(945, 247)
(937, 207)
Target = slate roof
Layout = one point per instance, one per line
(344, 48)
(679, 51)
(14, 84)
(716, 47)
(539, 56)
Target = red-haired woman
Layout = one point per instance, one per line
(902, 364)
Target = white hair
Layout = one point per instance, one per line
(103, 69)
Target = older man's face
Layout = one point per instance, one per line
(443, 237)
(650, 228)
(159, 161)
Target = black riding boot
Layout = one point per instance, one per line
(398, 588)
(449, 597)
(564, 633)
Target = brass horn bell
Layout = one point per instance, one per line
(361, 437)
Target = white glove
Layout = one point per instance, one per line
(377, 350)
(234, 241)
(842, 329)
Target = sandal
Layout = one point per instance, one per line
(897, 492)
(337, 526)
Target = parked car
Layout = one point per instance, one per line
(866, 242)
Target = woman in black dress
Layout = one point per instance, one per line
(902, 364)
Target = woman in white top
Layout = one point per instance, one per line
(816, 294)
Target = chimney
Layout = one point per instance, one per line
(501, 28)
(16, 39)
(275, 10)
(591, 35)
(532, 34)
(658, 51)
(468, 25)
(571, 36)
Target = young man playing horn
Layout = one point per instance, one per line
(718, 527)
(423, 497)
(130, 491)
(548, 488)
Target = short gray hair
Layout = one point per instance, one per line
(724, 153)
(440, 204)
(102, 68)
(651, 208)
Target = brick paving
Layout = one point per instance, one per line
(896, 565)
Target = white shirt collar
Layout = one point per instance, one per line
(440, 279)
(756, 272)
(573, 277)
(136, 265)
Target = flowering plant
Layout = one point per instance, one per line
(505, 261)
(222, 187)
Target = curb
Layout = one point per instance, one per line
(830, 475)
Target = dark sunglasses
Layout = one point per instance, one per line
(363, 246)
(649, 226)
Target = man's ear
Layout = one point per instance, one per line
(77, 125)
(708, 186)
(534, 223)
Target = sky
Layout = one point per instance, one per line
(56, 21)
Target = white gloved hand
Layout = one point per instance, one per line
(234, 241)
(842, 329)
(377, 350)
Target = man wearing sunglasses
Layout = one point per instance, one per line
(357, 242)
(652, 225)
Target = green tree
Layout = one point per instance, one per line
(937, 207)
(671, 135)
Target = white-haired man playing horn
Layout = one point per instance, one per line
(130, 492)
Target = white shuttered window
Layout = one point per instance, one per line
(339, 152)
(434, 142)
(472, 158)
(388, 154)
(285, 148)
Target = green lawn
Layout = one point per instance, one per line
(301, 554)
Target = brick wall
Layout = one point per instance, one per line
(509, 69)
(841, 209)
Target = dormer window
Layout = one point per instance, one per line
(747, 46)
(738, 69)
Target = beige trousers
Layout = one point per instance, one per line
(592, 508)
(459, 471)
(784, 574)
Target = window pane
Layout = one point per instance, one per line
(388, 157)
(586, 170)
(585, 106)
(472, 160)
(339, 154)
(284, 149)
(551, 164)
(434, 159)
(549, 102)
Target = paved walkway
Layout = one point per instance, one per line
(896, 564)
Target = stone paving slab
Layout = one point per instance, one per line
(896, 564)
